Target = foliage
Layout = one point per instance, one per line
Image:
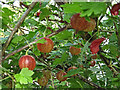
(54, 23)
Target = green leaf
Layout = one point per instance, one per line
(84, 49)
(26, 72)
(73, 72)
(45, 12)
(29, 79)
(74, 58)
(118, 75)
(54, 7)
(31, 22)
(5, 17)
(41, 29)
(94, 77)
(25, 76)
(86, 8)
(44, 4)
(64, 55)
(18, 77)
(108, 72)
(67, 17)
(109, 22)
(64, 35)
(57, 61)
(23, 80)
(118, 25)
(61, 60)
(71, 8)
(74, 83)
(105, 47)
(35, 9)
(30, 35)
(113, 49)
(114, 79)
(89, 8)
(18, 85)
(113, 37)
(36, 51)
(7, 11)
(41, 41)
(17, 39)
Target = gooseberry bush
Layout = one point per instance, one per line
(60, 45)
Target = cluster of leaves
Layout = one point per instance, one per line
(60, 58)
(24, 77)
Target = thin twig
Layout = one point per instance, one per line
(22, 4)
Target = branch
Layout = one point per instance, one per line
(22, 4)
(89, 82)
(17, 26)
(26, 46)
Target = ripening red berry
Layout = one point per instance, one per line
(43, 81)
(74, 50)
(38, 14)
(73, 67)
(46, 47)
(81, 24)
(60, 75)
(27, 61)
(115, 9)
(47, 73)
